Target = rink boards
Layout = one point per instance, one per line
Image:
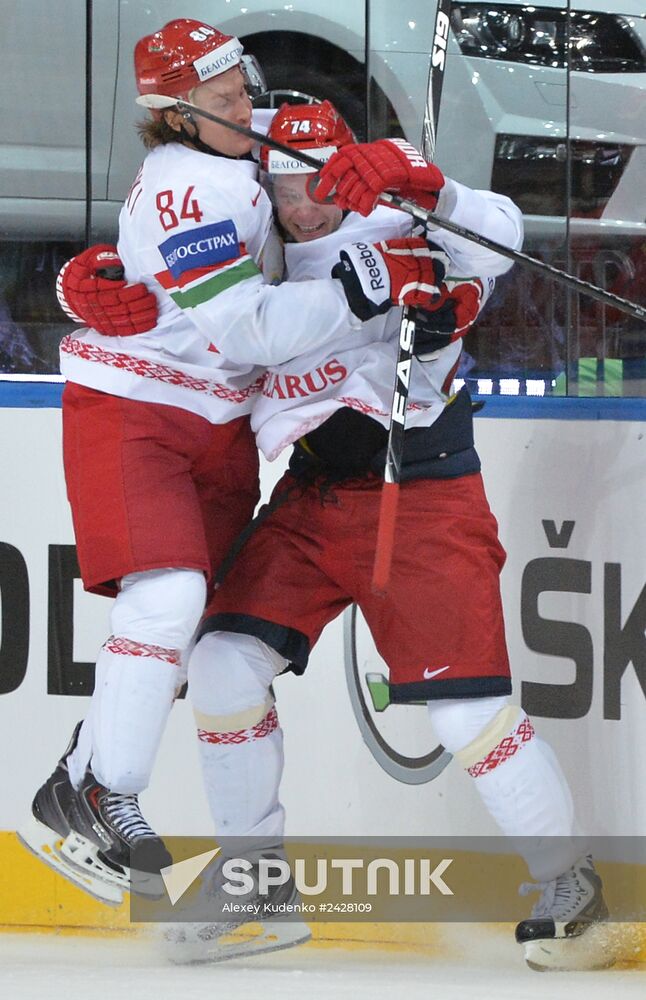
(568, 494)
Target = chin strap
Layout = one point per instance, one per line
(202, 147)
(194, 139)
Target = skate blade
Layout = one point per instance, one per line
(47, 845)
(85, 855)
(587, 952)
(273, 937)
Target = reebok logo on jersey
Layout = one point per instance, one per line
(203, 247)
(433, 673)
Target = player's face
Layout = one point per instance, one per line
(226, 97)
(301, 217)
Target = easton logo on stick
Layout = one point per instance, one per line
(406, 335)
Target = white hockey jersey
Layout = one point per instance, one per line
(358, 370)
(198, 231)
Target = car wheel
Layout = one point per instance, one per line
(299, 85)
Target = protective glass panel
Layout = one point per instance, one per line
(606, 196)
(542, 103)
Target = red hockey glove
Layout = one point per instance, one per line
(91, 289)
(359, 173)
(376, 276)
(449, 318)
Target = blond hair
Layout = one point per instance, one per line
(157, 132)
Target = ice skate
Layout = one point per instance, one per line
(563, 931)
(88, 836)
(251, 932)
(48, 828)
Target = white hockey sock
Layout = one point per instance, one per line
(528, 796)
(138, 673)
(240, 739)
(241, 780)
(133, 694)
(519, 781)
(79, 760)
(131, 711)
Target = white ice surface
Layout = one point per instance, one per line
(50, 967)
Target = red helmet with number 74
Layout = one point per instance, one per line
(317, 129)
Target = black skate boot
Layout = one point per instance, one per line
(563, 931)
(276, 916)
(110, 838)
(46, 832)
(89, 835)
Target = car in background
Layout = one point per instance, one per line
(508, 105)
(511, 72)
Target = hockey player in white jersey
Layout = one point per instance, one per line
(160, 462)
(440, 630)
(307, 561)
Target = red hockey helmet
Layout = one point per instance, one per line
(181, 55)
(317, 129)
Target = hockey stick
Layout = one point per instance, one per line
(560, 277)
(395, 445)
(160, 102)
